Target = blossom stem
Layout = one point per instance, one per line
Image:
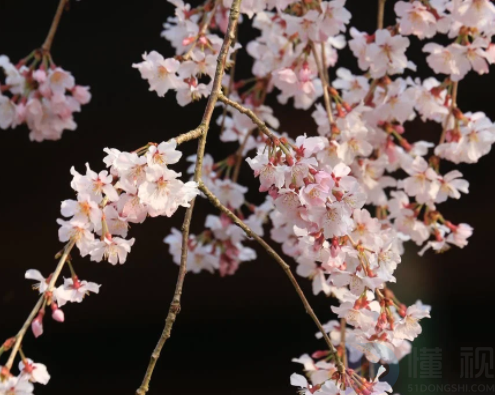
(200, 131)
(322, 71)
(381, 13)
(240, 151)
(53, 28)
(20, 335)
(229, 88)
(343, 324)
(207, 17)
(215, 202)
(453, 105)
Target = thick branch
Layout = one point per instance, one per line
(201, 131)
(214, 200)
(53, 28)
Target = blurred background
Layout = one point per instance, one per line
(235, 334)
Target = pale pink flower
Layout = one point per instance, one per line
(387, 54)
(160, 72)
(34, 372)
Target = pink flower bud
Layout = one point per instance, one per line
(57, 314)
(37, 325)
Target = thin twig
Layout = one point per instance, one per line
(207, 17)
(201, 132)
(20, 335)
(342, 341)
(381, 14)
(53, 28)
(214, 200)
(453, 106)
(324, 81)
(243, 110)
(239, 156)
(229, 89)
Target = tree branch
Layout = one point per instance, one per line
(191, 135)
(214, 200)
(243, 110)
(22, 332)
(53, 28)
(201, 131)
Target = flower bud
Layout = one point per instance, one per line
(57, 314)
(37, 325)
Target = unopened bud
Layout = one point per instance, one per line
(7, 345)
(37, 324)
(57, 314)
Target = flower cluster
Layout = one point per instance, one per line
(319, 186)
(191, 72)
(341, 202)
(41, 95)
(137, 185)
(30, 372)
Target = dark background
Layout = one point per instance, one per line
(236, 334)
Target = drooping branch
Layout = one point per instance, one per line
(51, 285)
(214, 200)
(53, 28)
(201, 131)
(243, 110)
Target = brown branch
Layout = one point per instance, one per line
(191, 135)
(201, 132)
(243, 110)
(53, 28)
(215, 202)
(22, 332)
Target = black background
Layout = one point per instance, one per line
(236, 334)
